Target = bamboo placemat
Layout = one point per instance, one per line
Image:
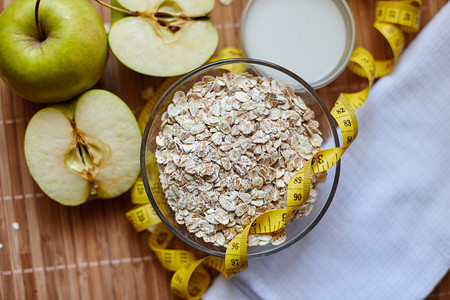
(91, 251)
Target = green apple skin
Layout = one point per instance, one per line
(116, 15)
(68, 62)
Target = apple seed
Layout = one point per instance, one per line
(174, 28)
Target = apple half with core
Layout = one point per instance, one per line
(163, 37)
(84, 149)
(51, 50)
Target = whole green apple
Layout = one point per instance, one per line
(60, 61)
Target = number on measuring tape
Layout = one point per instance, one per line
(298, 197)
(318, 160)
(298, 180)
(140, 215)
(161, 238)
(235, 262)
(340, 110)
(235, 245)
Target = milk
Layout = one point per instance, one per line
(308, 37)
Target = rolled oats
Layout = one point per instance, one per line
(253, 240)
(226, 151)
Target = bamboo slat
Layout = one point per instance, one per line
(91, 251)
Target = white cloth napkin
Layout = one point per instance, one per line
(386, 234)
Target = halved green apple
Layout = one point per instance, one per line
(84, 149)
(164, 37)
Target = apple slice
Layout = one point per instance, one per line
(164, 37)
(85, 149)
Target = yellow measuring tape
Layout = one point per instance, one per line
(191, 280)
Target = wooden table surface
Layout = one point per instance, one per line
(91, 251)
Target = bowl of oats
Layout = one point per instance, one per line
(221, 146)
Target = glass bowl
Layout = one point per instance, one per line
(299, 227)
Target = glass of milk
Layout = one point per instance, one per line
(312, 38)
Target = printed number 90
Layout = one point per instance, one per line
(297, 197)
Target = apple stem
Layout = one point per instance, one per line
(36, 18)
(125, 11)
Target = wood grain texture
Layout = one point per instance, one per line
(91, 251)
